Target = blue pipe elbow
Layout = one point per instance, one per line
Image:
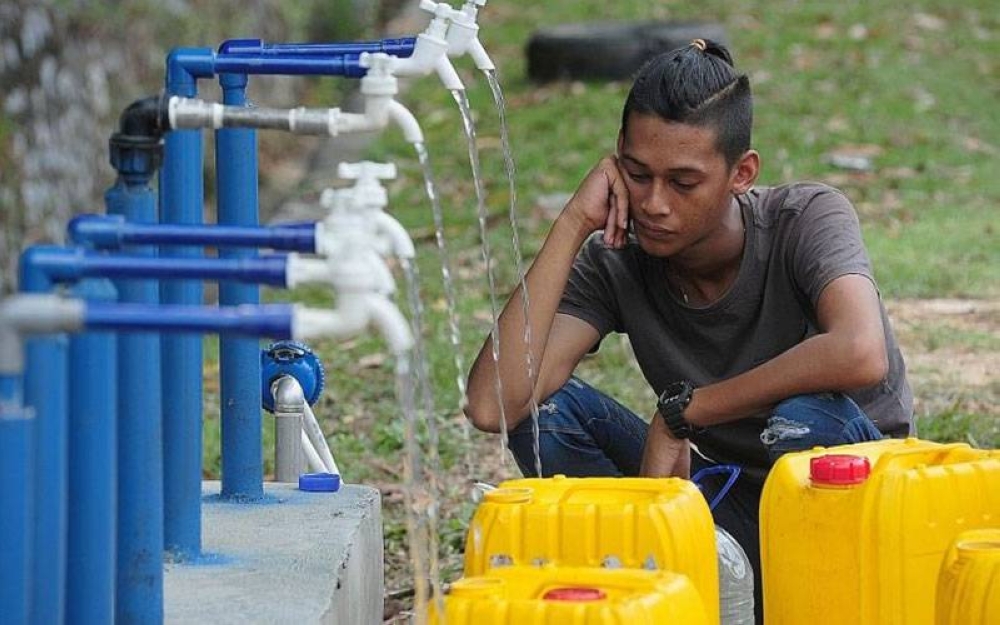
(185, 66)
(97, 231)
(43, 266)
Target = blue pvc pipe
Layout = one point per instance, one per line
(252, 56)
(17, 468)
(45, 393)
(290, 66)
(182, 196)
(401, 47)
(239, 359)
(93, 481)
(69, 265)
(272, 320)
(106, 232)
(139, 569)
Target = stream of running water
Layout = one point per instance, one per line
(470, 134)
(508, 161)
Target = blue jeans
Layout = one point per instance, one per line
(583, 432)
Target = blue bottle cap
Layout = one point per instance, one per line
(319, 482)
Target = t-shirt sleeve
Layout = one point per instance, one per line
(589, 294)
(826, 244)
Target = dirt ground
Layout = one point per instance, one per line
(952, 351)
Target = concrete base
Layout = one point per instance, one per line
(297, 557)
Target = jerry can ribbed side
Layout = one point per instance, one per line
(857, 533)
(551, 595)
(638, 523)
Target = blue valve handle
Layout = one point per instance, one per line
(294, 359)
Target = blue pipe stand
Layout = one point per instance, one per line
(139, 570)
(17, 468)
(45, 393)
(93, 476)
(181, 196)
(239, 359)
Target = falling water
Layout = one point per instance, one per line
(508, 162)
(449, 294)
(433, 470)
(470, 135)
(415, 497)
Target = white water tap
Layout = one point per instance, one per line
(379, 88)
(359, 210)
(369, 195)
(363, 285)
(463, 34)
(353, 238)
(430, 53)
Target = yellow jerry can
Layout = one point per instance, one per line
(968, 591)
(857, 533)
(604, 522)
(552, 595)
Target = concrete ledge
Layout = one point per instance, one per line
(296, 557)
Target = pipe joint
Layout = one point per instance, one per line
(289, 398)
(26, 314)
(98, 231)
(137, 148)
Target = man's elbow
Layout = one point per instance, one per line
(868, 364)
(483, 415)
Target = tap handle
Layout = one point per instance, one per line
(367, 172)
(442, 12)
(438, 9)
(328, 199)
(377, 61)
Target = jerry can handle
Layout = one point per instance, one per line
(732, 469)
(937, 454)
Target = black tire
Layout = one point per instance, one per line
(607, 51)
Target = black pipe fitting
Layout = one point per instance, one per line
(137, 147)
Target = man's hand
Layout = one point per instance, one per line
(601, 202)
(664, 455)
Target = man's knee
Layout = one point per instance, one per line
(822, 419)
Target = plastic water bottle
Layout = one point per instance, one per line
(735, 581)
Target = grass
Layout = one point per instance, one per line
(911, 84)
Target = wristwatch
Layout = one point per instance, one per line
(671, 404)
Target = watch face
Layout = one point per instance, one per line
(672, 392)
(671, 405)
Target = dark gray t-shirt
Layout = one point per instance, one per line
(799, 238)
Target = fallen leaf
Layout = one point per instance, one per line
(372, 361)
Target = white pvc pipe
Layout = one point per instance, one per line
(318, 440)
(315, 463)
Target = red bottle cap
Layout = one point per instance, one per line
(574, 594)
(839, 469)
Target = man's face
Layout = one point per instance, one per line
(678, 182)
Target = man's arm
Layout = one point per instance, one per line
(848, 353)
(664, 455)
(558, 342)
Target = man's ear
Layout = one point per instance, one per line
(746, 171)
(621, 141)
